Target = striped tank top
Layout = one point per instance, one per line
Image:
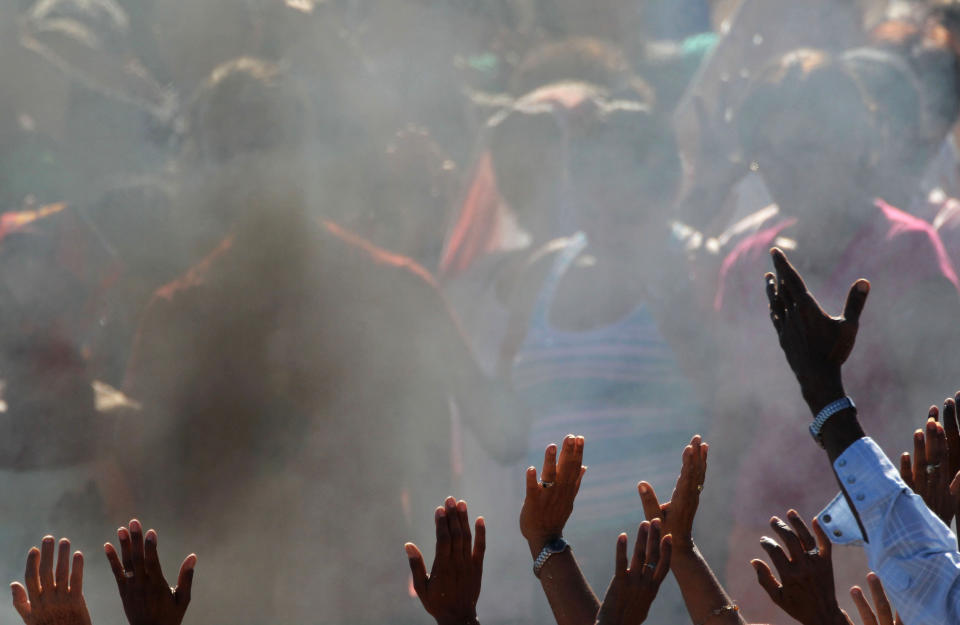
(621, 388)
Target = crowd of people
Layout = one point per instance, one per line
(279, 275)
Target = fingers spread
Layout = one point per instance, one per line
(46, 564)
(906, 470)
(136, 545)
(549, 472)
(532, 485)
(767, 581)
(126, 551)
(884, 611)
(479, 543)
(620, 568)
(653, 542)
(663, 566)
(62, 575)
(453, 524)
(31, 576)
(789, 539)
(151, 559)
(950, 426)
(866, 612)
(417, 569)
(466, 536)
(185, 580)
(823, 543)
(76, 575)
(115, 564)
(806, 538)
(775, 551)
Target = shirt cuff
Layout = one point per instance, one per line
(871, 481)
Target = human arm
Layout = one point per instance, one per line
(806, 588)
(912, 551)
(450, 592)
(147, 597)
(50, 597)
(884, 614)
(705, 598)
(546, 508)
(632, 590)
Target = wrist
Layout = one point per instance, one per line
(539, 541)
(819, 392)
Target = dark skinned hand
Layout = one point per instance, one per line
(633, 589)
(449, 594)
(884, 614)
(147, 597)
(816, 345)
(549, 502)
(51, 598)
(677, 514)
(936, 453)
(806, 589)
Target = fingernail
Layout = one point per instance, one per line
(622, 539)
(863, 287)
(47, 539)
(450, 502)
(644, 488)
(462, 506)
(135, 526)
(151, 538)
(123, 533)
(411, 550)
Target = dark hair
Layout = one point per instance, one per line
(247, 105)
(579, 59)
(804, 81)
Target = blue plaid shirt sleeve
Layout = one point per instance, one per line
(910, 549)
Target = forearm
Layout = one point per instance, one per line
(572, 600)
(706, 600)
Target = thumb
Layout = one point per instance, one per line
(856, 299)
(418, 569)
(20, 602)
(651, 505)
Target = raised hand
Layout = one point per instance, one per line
(677, 514)
(449, 594)
(147, 597)
(633, 589)
(549, 502)
(806, 589)
(51, 598)
(884, 613)
(816, 344)
(936, 456)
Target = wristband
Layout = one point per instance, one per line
(828, 411)
(554, 546)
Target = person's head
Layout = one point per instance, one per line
(578, 59)
(247, 106)
(810, 123)
(624, 175)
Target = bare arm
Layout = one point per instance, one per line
(546, 508)
(706, 600)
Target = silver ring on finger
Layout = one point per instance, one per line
(932, 468)
(546, 484)
(813, 552)
(128, 574)
(651, 565)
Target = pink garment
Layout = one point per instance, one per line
(896, 251)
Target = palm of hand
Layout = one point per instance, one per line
(47, 600)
